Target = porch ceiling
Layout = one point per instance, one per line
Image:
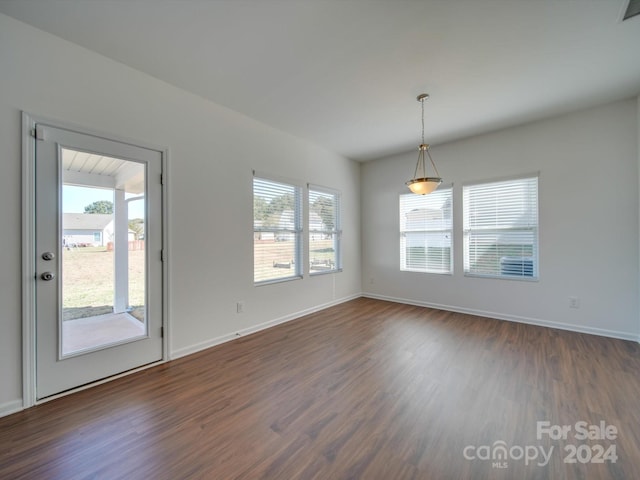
(93, 170)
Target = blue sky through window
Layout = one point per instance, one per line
(75, 198)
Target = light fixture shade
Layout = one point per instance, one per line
(424, 186)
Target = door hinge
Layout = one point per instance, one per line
(162, 255)
(161, 332)
(37, 133)
(161, 179)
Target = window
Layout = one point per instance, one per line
(501, 228)
(425, 232)
(324, 230)
(277, 231)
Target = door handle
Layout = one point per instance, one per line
(48, 276)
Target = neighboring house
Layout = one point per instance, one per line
(89, 229)
(287, 222)
(315, 226)
(424, 221)
(259, 235)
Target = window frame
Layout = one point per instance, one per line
(336, 232)
(297, 231)
(404, 232)
(533, 228)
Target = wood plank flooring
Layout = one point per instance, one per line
(364, 390)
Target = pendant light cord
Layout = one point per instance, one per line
(424, 170)
(420, 162)
(422, 103)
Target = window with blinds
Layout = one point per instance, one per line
(426, 232)
(500, 228)
(324, 230)
(277, 231)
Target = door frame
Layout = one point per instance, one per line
(28, 282)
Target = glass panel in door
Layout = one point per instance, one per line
(103, 296)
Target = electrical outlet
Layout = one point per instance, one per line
(240, 306)
(574, 302)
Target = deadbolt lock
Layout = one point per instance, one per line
(48, 256)
(47, 276)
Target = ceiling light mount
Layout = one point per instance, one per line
(421, 183)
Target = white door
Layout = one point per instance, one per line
(98, 245)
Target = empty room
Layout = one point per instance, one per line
(320, 239)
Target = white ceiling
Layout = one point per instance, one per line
(345, 73)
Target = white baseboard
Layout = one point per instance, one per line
(8, 408)
(256, 328)
(512, 318)
(183, 352)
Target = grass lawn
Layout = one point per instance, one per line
(87, 274)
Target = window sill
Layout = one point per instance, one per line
(324, 272)
(503, 277)
(277, 280)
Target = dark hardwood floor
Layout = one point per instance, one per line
(367, 389)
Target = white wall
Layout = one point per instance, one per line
(212, 153)
(588, 205)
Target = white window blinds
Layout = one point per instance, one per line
(324, 230)
(277, 231)
(501, 228)
(426, 232)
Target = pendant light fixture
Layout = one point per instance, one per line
(420, 183)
